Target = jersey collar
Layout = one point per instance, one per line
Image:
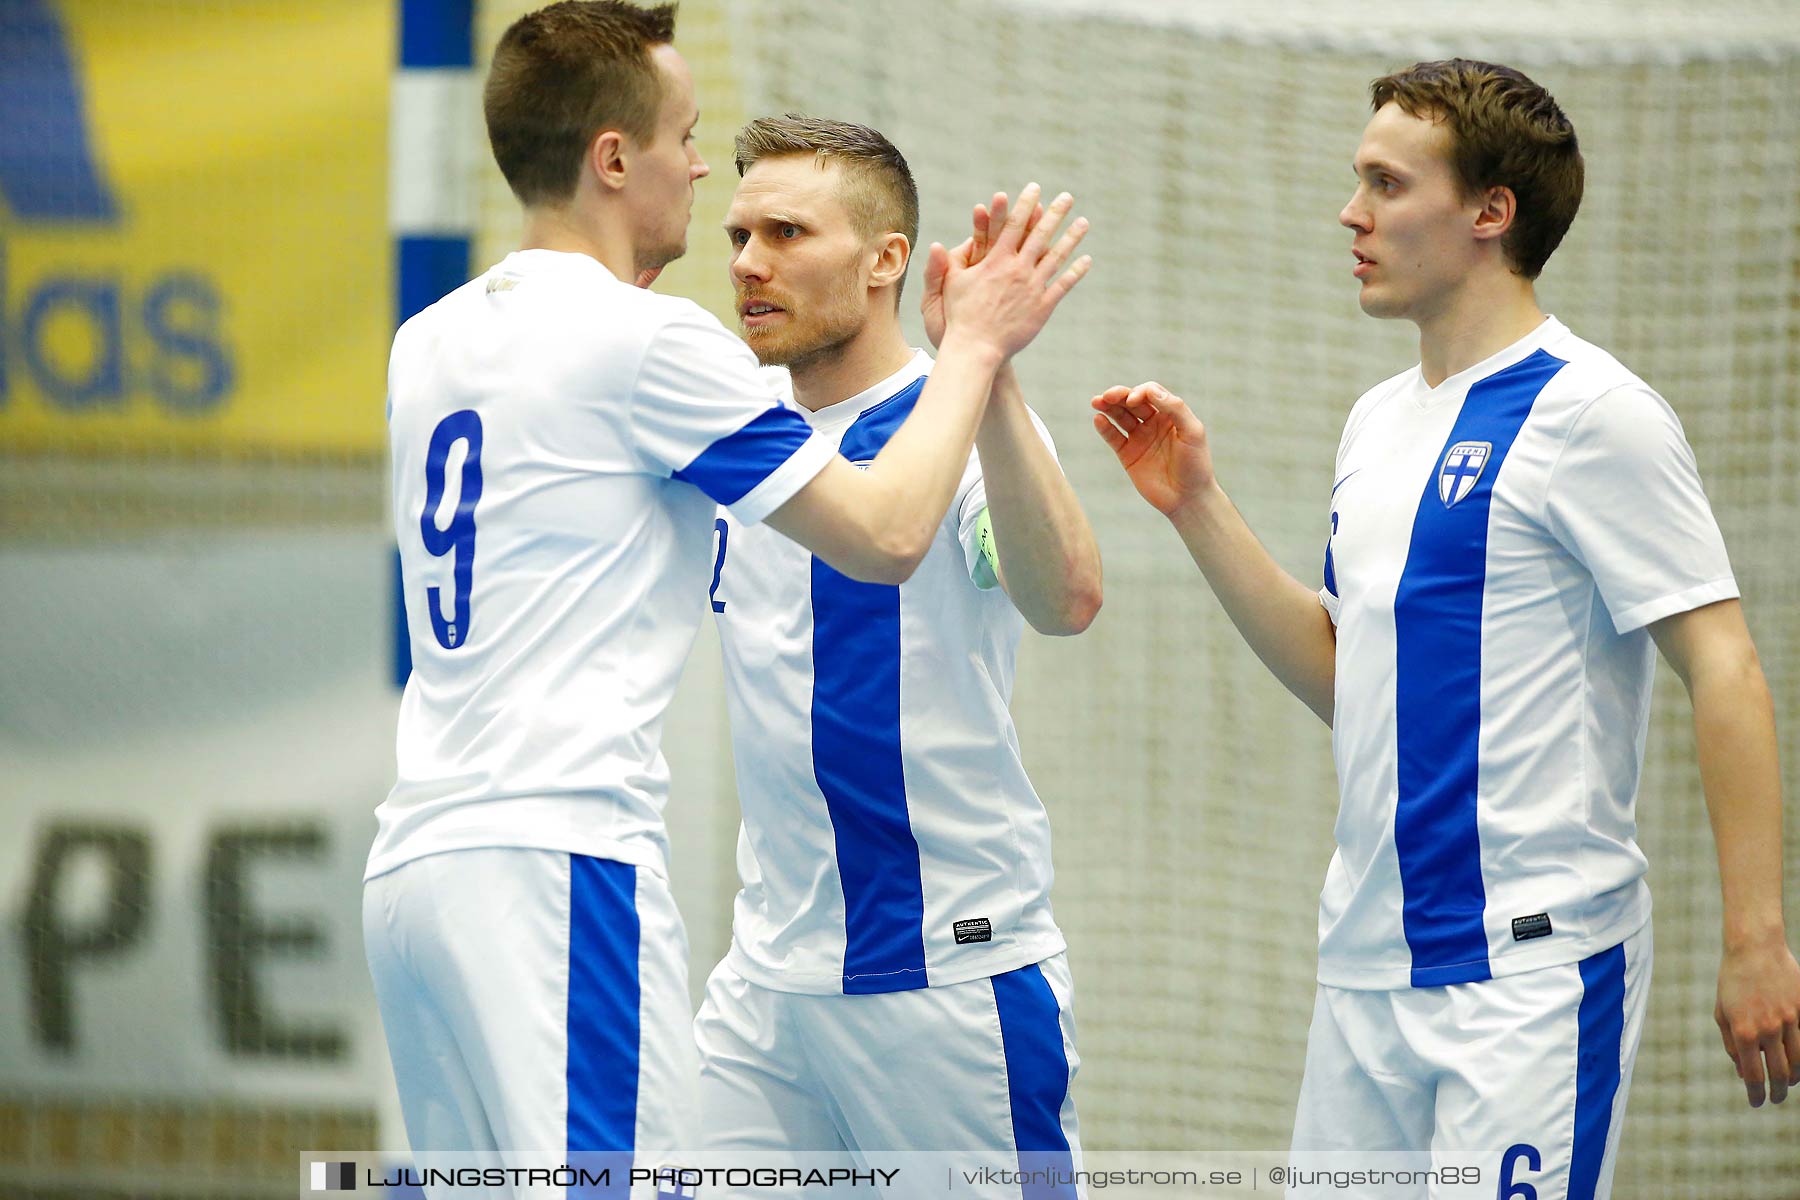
(1546, 331)
(844, 412)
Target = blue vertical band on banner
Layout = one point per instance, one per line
(429, 267)
(429, 262)
(437, 33)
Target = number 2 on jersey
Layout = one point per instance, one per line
(459, 537)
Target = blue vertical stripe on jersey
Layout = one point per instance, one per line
(603, 1022)
(856, 752)
(1601, 1023)
(1037, 1080)
(731, 467)
(1437, 700)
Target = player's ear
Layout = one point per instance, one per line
(606, 158)
(892, 253)
(1499, 208)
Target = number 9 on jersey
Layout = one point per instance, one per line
(458, 537)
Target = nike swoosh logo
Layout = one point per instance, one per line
(1340, 483)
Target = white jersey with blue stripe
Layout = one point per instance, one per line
(891, 838)
(1499, 543)
(560, 441)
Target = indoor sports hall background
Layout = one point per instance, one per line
(199, 273)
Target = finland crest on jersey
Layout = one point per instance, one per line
(891, 838)
(560, 443)
(1462, 470)
(1498, 545)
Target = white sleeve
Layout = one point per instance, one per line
(971, 502)
(1625, 499)
(701, 413)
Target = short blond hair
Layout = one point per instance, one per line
(882, 198)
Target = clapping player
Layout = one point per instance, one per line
(896, 979)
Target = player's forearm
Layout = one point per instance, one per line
(1734, 731)
(1049, 560)
(912, 481)
(1279, 616)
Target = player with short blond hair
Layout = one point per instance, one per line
(896, 979)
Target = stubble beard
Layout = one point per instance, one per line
(802, 349)
(829, 344)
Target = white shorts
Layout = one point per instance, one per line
(535, 1002)
(981, 1065)
(1533, 1067)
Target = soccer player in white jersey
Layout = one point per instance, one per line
(1517, 525)
(560, 442)
(896, 980)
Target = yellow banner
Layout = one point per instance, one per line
(194, 253)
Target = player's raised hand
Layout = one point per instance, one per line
(987, 217)
(939, 263)
(1159, 441)
(1758, 1014)
(1007, 294)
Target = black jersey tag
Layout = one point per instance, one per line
(977, 930)
(1535, 926)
